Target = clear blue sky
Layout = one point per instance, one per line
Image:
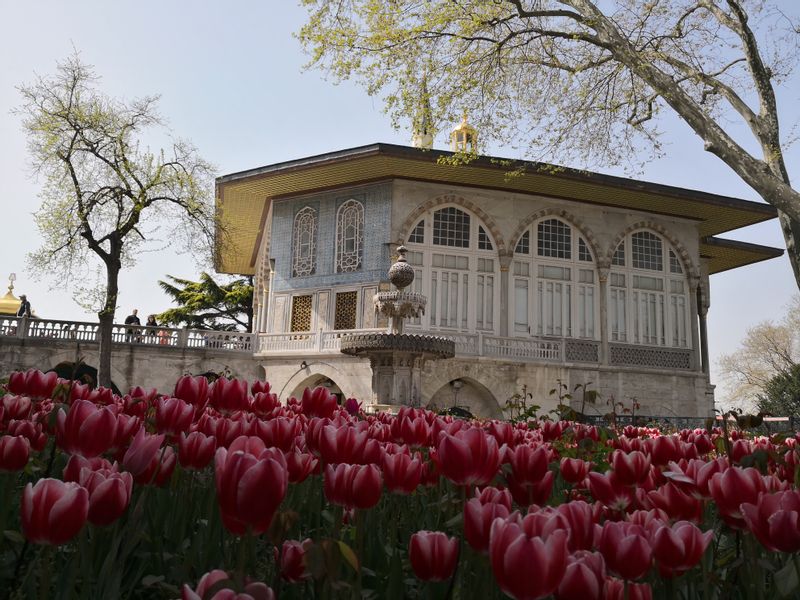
(230, 79)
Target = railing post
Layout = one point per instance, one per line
(183, 337)
(480, 344)
(22, 328)
(319, 340)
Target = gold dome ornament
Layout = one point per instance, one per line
(9, 304)
(464, 137)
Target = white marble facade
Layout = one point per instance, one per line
(535, 290)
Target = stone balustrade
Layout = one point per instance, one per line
(323, 342)
(84, 332)
(548, 350)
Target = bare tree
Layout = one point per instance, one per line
(769, 349)
(581, 78)
(104, 195)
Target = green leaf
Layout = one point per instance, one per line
(14, 536)
(786, 580)
(349, 555)
(149, 580)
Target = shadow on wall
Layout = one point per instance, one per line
(468, 393)
(81, 372)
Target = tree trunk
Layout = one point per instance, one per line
(106, 317)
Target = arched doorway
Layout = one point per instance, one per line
(318, 380)
(465, 392)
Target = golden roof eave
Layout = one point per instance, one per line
(723, 255)
(244, 197)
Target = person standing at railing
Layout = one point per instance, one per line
(132, 319)
(24, 307)
(151, 333)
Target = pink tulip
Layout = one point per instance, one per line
(249, 489)
(679, 548)
(173, 416)
(214, 579)
(300, 465)
(735, 487)
(15, 407)
(775, 520)
(33, 383)
(33, 432)
(14, 453)
(478, 519)
(468, 458)
(529, 464)
(75, 464)
(159, 471)
(280, 432)
(625, 548)
(53, 512)
(513, 552)
(229, 395)
(109, 494)
(433, 555)
(193, 390)
(196, 450)
(401, 473)
(574, 470)
(630, 468)
(353, 486)
(86, 430)
(584, 577)
(318, 403)
(142, 452)
(292, 560)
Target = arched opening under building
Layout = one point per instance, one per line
(469, 394)
(318, 380)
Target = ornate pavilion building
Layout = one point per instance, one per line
(552, 276)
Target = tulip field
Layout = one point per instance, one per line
(219, 491)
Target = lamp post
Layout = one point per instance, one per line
(456, 384)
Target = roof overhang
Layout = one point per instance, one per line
(244, 197)
(724, 255)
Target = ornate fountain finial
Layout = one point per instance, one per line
(401, 274)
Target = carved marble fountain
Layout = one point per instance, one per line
(397, 358)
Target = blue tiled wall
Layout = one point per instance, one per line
(377, 215)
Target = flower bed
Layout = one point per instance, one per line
(219, 491)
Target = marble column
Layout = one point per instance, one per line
(602, 275)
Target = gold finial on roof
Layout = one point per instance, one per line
(9, 304)
(464, 136)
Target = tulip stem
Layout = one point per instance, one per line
(7, 482)
(359, 548)
(44, 581)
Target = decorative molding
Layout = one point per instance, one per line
(565, 215)
(648, 356)
(689, 267)
(581, 351)
(486, 219)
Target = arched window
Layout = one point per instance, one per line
(456, 267)
(304, 242)
(553, 291)
(648, 293)
(349, 236)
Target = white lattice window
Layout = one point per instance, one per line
(304, 242)
(524, 244)
(349, 236)
(646, 251)
(554, 239)
(456, 266)
(648, 301)
(554, 292)
(451, 227)
(417, 235)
